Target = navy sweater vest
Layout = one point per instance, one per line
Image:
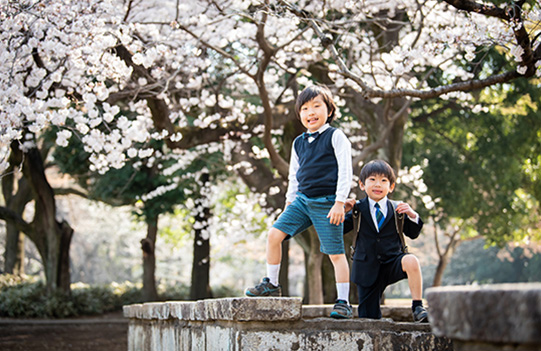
(318, 168)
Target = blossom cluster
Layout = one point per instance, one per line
(87, 69)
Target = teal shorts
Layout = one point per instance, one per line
(304, 212)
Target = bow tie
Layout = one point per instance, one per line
(306, 135)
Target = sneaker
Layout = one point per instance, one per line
(265, 288)
(420, 315)
(342, 310)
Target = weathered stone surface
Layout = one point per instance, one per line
(229, 309)
(254, 324)
(396, 313)
(133, 311)
(501, 313)
(155, 310)
(182, 309)
(254, 308)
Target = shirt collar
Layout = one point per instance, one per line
(323, 128)
(382, 203)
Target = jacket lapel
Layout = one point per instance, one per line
(390, 213)
(364, 207)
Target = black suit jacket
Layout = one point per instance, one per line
(372, 248)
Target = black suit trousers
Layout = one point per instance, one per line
(370, 297)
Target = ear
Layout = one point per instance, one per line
(391, 188)
(361, 185)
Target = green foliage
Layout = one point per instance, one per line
(473, 262)
(482, 165)
(28, 298)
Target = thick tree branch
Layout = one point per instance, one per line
(481, 8)
(11, 216)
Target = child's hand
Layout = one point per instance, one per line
(337, 213)
(349, 205)
(405, 208)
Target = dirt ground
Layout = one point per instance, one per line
(105, 333)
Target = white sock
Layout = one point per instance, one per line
(343, 291)
(273, 270)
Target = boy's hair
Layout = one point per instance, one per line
(310, 93)
(378, 167)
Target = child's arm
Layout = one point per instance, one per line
(337, 213)
(406, 209)
(342, 152)
(349, 205)
(414, 224)
(293, 183)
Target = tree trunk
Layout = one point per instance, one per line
(313, 270)
(284, 269)
(200, 287)
(15, 201)
(438, 275)
(329, 280)
(444, 261)
(51, 237)
(148, 245)
(14, 253)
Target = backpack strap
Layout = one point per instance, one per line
(356, 226)
(399, 222)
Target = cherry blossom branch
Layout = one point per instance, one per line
(465, 86)
(511, 14)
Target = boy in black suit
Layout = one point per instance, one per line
(379, 258)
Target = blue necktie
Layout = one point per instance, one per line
(379, 216)
(306, 135)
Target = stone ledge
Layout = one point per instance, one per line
(396, 313)
(500, 313)
(229, 309)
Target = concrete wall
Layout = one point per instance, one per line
(488, 317)
(268, 324)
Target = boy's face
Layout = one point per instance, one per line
(314, 114)
(377, 186)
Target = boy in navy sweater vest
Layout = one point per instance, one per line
(379, 258)
(320, 175)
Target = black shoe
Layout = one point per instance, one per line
(420, 315)
(342, 310)
(265, 288)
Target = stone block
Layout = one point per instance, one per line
(184, 310)
(500, 313)
(132, 311)
(155, 310)
(253, 308)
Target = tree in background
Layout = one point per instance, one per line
(480, 167)
(202, 72)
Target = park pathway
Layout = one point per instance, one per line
(107, 332)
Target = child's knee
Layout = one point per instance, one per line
(338, 258)
(410, 263)
(276, 236)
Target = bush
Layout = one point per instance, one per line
(27, 297)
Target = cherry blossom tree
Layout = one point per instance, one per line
(225, 74)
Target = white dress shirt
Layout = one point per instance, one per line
(383, 208)
(342, 152)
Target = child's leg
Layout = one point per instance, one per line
(369, 300)
(274, 254)
(341, 273)
(410, 265)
